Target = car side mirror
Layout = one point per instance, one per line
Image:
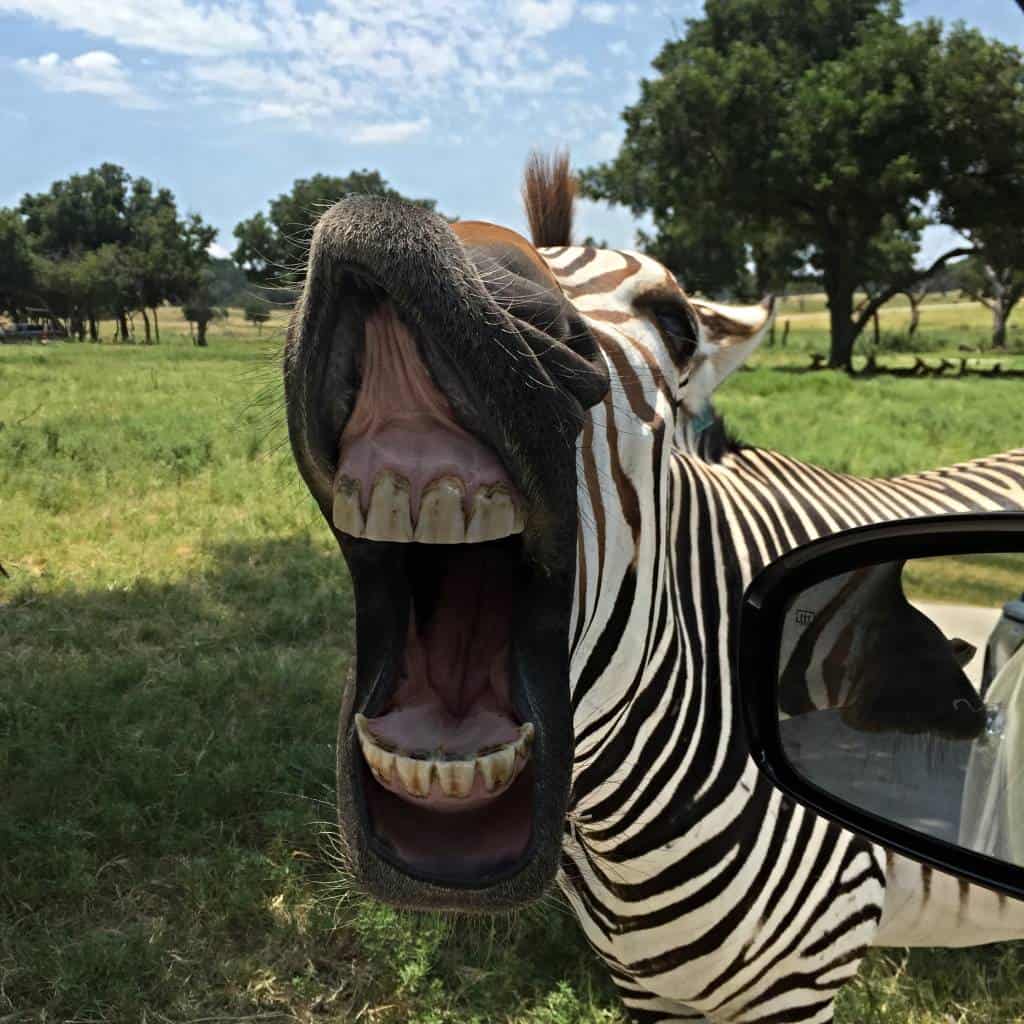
(881, 677)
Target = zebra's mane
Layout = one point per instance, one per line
(549, 193)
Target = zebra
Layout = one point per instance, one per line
(560, 398)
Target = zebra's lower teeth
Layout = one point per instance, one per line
(447, 782)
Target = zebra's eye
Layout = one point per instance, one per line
(678, 329)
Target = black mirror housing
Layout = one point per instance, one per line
(761, 668)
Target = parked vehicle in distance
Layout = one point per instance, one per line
(26, 333)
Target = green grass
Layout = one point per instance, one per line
(174, 634)
(982, 580)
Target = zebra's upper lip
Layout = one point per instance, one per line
(505, 379)
(407, 469)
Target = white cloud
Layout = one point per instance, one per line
(600, 14)
(97, 71)
(295, 91)
(531, 80)
(302, 61)
(619, 48)
(393, 131)
(217, 251)
(539, 17)
(176, 26)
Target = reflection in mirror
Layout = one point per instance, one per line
(901, 691)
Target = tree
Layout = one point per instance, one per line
(79, 213)
(257, 311)
(272, 248)
(810, 123)
(232, 286)
(77, 290)
(150, 253)
(997, 285)
(200, 307)
(17, 270)
(916, 294)
(164, 259)
(982, 194)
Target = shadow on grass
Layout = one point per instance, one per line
(175, 707)
(166, 780)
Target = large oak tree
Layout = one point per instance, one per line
(981, 96)
(823, 124)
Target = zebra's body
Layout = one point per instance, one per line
(708, 894)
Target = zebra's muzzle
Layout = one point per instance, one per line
(434, 396)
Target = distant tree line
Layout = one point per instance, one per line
(100, 245)
(777, 135)
(103, 245)
(779, 144)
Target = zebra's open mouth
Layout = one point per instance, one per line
(443, 743)
(445, 770)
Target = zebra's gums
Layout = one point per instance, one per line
(549, 535)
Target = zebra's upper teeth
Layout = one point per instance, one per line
(415, 775)
(441, 520)
(348, 515)
(493, 513)
(388, 516)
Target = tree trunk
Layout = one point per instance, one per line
(94, 331)
(785, 334)
(201, 333)
(999, 324)
(878, 329)
(156, 325)
(771, 335)
(915, 314)
(122, 325)
(145, 320)
(839, 290)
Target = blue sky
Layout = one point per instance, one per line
(228, 102)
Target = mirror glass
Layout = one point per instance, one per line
(901, 691)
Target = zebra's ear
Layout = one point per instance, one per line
(728, 335)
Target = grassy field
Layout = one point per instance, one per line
(174, 629)
(949, 325)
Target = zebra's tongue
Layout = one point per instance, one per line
(454, 693)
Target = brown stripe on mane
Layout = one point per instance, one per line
(548, 194)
